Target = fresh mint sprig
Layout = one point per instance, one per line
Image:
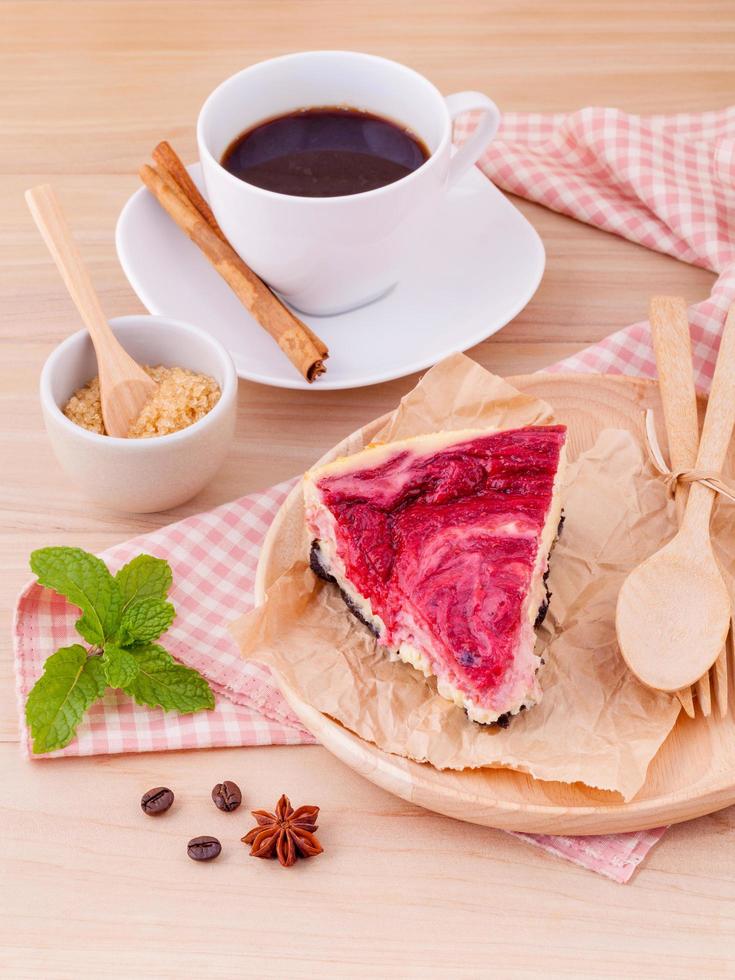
(121, 617)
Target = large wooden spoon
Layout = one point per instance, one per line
(673, 611)
(673, 349)
(124, 385)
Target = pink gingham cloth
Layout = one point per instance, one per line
(665, 182)
(213, 558)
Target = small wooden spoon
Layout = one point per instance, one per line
(124, 385)
(673, 611)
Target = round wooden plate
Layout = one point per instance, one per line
(693, 773)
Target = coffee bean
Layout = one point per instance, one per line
(227, 796)
(156, 800)
(203, 848)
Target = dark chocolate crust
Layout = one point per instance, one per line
(544, 607)
(317, 567)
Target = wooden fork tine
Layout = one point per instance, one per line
(730, 645)
(718, 679)
(704, 695)
(685, 700)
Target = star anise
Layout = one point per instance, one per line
(287, 834)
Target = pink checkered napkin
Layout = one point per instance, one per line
(213, 557)
(666, 182)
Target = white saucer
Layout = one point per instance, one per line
(480, 268)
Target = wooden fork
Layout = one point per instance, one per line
(673, 350)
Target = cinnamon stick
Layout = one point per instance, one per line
(169, 163)
(185, 205)
(170, 166)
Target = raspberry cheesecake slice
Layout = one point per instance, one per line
(439, 545)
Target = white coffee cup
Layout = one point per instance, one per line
(330, 254)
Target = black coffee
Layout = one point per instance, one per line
(203, 848)
(324, 152)
(156, 800)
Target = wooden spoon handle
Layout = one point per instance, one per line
(124, 385)
(720, 417)
(673, 349)
(717, 428)
(47, 213)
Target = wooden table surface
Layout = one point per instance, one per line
(90, 887)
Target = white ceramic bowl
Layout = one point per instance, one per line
(141, 475)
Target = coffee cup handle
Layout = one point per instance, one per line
(470, 151)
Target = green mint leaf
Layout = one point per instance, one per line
(143, 577)
(86, 583)
(70, 683)
(144, 620)
(120, 666)
(163, 683)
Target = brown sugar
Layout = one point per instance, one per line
(182, 398)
